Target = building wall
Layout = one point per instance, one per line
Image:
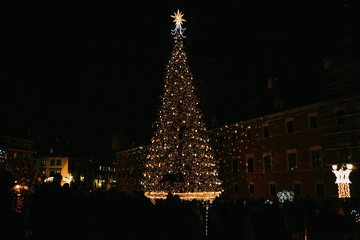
(328, 136)
(321, 133)
(129, 165)
(49, 165)
(20, 152)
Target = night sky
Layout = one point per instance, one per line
(89, 69)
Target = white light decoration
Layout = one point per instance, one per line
(63, 180)
(343, 180)
(178, 20)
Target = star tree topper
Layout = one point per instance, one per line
(178, 20)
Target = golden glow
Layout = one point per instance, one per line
(343, 181)
(189, 196)
(178, 17)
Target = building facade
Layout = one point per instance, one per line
(289, 150)
(19, 152)
(129, 165)
(50, 165)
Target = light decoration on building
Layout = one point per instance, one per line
(64, 180)
(180, 159)
(285, 196)
(342, 179)
(3, 157)
(356, 215)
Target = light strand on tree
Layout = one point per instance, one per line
(181, 159)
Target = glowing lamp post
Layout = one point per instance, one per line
(342, 179)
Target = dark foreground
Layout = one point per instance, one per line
(67, 213)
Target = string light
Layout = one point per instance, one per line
(180, 157)
(343, 180)
(285, 196)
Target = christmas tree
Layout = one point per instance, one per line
(181, 159)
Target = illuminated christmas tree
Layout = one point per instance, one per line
(181, 159)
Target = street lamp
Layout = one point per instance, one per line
(342, 179)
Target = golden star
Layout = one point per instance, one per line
(178, 17)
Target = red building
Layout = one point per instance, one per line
(290, 150)
(129, 165)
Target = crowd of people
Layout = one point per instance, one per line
(55, 212)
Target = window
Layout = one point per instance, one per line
(235, 165)
(58, 162)
(236, 188)
(52, 162)
(220, 139)
(234, 137)
(290, 126)
(320, 190)
(53, 171)
(267, 163)
(43, 163)
(342, 155)
(340, 117)
(272, 188)
(250, 164)
(251, 188)
(292, 161)
(221, 166)
(316, 159)
(266, 131)
(297, 188)
(248, 134)
(313, 121)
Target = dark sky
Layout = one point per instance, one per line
(89, 69)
